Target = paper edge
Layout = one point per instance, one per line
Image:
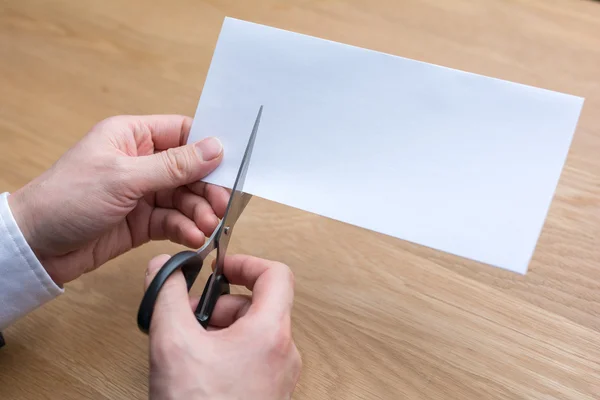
(401, 57)
(552, 197)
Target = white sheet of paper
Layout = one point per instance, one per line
(450, 160)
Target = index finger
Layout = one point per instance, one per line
(271, 283)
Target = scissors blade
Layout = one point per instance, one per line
(239, 199)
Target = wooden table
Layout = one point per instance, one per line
(375, 317)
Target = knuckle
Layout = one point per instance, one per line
(179, 232)
(177, 163)
(109, 122)
(281, 343)
(116, 124)
(285, 272)
(116, 120)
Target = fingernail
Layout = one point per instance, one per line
(209, 148)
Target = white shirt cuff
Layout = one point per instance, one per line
(24, 283)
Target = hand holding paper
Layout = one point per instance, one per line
(447, 159)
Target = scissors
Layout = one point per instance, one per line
(191, 262)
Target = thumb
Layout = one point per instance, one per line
(176, 166)
(172, 307)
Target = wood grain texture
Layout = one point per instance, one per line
(374, 317)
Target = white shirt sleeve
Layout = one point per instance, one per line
(24, 283)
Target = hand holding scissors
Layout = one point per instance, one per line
(191, 262)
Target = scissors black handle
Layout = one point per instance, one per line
(190, 263)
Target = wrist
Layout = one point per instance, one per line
(21, 214)
(23, 211)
